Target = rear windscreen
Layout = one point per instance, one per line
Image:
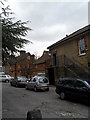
(43, 80)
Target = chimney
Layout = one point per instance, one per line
(67, 35)
(45, 52)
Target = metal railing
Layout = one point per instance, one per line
(63, 60)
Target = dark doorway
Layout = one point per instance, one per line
(54, 59)
(51, 76)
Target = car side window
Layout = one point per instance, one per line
(34, 80)
(3, 76)
(69, 83)
(61, 82)
(79, 84)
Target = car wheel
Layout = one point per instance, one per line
(8, 81)
(62, 95)
(48, 89)
(5, 81)
(35, 89)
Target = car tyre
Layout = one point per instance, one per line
(6, 81)
(48, 89)
(35, 89)
(62, 95)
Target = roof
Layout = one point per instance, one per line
(83, 30)
(43, 58)
(23, 57)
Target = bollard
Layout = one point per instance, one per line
(34, 115)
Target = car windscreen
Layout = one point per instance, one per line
(22, 78)
(43, 80)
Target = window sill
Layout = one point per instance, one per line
(82, 54)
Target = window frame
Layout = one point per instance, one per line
(81, 44)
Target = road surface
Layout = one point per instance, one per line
(16, 102)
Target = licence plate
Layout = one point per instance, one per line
(44, 87)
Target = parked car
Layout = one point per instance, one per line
(5, 78)
(20, 81)
(28, 80)
(38, 83)
(73, 88)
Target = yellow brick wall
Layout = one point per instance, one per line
(70, 49)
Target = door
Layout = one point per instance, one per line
(51, 76)
(69, 88)
(81, 90)
(32, 83)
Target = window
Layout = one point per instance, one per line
(61, 82)
(81, 47)
(34, 80)
(43, 80)
(69, 83)
(79, 84)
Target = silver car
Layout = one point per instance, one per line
(38, 83)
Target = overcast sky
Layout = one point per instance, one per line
(50, 21)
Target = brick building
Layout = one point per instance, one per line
(41, 64)
(27, 65)
(71, 55)
(21, 65)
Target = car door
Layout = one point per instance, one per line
(14, 82)
(70, 88)
(81, 90)
(31, 83)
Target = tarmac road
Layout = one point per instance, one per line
(16, 102)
